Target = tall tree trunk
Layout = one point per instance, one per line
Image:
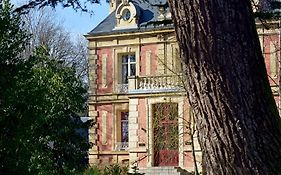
(237, 118)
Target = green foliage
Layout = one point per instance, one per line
(94, 170)
(12, 37)
(41, 103)
(113, 169)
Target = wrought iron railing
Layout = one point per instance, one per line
(121, 146)
(122, 88)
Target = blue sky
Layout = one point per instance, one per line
(79, 23)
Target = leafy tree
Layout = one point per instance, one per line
(12, 37)
(41, 102)
(12, 42)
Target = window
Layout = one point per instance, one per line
(128, 67)
(122, 131)
(124, 127)
(126, 14)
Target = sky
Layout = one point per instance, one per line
(79, 23)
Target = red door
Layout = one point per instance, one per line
(165, 124)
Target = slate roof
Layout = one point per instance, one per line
(148, 12)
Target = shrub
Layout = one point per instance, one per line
(113, 169)
(94, 170)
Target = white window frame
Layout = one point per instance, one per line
(129, 63)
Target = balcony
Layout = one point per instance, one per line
(158, 83)
(154, 84)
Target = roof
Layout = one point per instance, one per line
(147, 12)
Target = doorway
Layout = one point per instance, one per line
(166, 135)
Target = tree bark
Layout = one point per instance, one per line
(236, 115)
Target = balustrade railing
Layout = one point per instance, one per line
(157, 82)
(160, 82)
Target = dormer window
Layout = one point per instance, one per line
(126, 15)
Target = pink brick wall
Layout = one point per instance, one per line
(267, 40)
(144, 49)
(188, 159)
(142, 132)
(142, 120)
(109, 67)
(108, 145)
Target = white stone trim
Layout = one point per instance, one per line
(133, 129)
(104, 71)
(104, 127)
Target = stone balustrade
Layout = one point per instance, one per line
(155, 83)
(151, 83)
(159, 82)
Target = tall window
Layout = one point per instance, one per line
(124, 127)
(128, 67)
(122, 132)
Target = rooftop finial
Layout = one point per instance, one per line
(125, 1)
(114, 4)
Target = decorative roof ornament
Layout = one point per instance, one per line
(126, 16)
(162, 12)
(125, 2)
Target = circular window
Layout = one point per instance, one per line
(126, 14)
